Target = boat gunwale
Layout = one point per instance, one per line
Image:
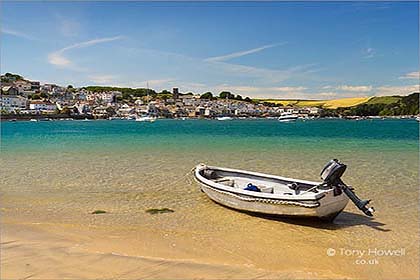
(201, 179)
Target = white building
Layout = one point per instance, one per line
(12, 102)
(38, 105)
(108, 96)
(11, 90)
(125, 110)
(314, 110)
(23, 85)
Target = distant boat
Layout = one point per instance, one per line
(33, 120)
(224, 118)
(269, 194)
(287, 117)
(418, 118)
(145, 118)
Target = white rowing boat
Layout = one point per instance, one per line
(275, 195)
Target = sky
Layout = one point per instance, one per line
(306, 50)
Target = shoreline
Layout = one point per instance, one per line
(12, 118)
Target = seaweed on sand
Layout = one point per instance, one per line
(99, 212)
(159, 210)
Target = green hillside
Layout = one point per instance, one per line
(384, 99)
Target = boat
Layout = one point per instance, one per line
(33, 120)
(224, 118)
(287, 117)
(418, 118)
(274, 195)
(145, 118)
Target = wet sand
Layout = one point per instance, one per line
(52, 252)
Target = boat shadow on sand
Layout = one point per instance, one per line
(344, 220)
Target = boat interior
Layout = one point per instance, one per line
(256, 183)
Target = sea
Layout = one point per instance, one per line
(61, 171)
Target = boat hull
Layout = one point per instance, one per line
(287, 119)
(329, 207)
(145, 119)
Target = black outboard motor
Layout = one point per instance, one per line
(331, 174)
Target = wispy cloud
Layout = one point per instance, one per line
(397, 90)
(264, 92)
(16, 33)
(411, 76)
(355, 88)
(157, 84)
(102, 79)
(57, 58)
(241, 53)
(264, 74)
(369, 53)
(217, 72)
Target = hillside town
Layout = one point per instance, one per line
(21, 97)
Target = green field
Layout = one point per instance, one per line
(384, 100)
(330, 104)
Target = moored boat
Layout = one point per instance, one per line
(145, 119)
(224, 118)
(275, 195)
(288, 117)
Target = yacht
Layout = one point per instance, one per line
(145, 118)
(224, 118)
(287, 117)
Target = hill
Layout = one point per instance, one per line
(384, 99)
(359, 106)
(328, 104)
(385, 106)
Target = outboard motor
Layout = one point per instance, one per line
(331, 175)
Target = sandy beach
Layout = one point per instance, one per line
(59, 252)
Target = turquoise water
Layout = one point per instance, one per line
(328, 135)
(58, 171)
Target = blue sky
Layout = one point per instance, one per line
(315, 50)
